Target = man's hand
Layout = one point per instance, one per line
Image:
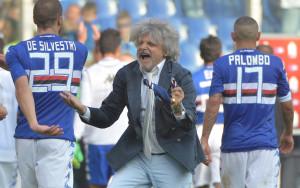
(53, 130)
(3, 112)
(176, 100)
(72, 101)
(206, 150)
(286, 143)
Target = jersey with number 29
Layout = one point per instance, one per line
(52, 65)
(249, 82)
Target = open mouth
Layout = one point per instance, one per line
(144, 55)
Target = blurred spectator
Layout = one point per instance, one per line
(71, 21)
(290, 16)
(128, 49)
(193, 8)
(9, 22)
(88, 31)
(271, 17)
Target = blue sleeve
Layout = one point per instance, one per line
(83, 54)
(15, 66)
(283, 89)
(217, 81)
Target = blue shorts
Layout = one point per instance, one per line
(98, 170)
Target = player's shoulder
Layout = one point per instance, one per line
(15, 49)
(275, 59)
(80, 45)
(222, 60)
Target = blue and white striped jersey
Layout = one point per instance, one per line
(249, 82)
(52, 65)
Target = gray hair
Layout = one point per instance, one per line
(161, 33)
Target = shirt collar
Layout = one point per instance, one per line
(159, 66)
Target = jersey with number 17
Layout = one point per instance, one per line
(249, 82)
(52, 65)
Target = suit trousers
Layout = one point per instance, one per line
(160, 171)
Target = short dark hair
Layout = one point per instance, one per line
(210, 48)
(246, 28)
(109, 41)
(46, 12)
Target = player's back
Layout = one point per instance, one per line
(52, 65)
(202, 82)
(249, 81)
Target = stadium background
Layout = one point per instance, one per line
(194, 19)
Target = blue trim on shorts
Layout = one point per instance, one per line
(70, 166)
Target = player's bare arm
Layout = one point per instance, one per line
(72, 101)
(3, 112)
(26, 103)
(211, 112)
(286, 138)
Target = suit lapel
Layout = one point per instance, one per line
(164, 77)
(134, 91)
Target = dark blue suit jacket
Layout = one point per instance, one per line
(178, 138)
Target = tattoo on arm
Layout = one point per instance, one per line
(288, 116)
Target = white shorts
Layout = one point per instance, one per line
(257, 168)
(8, 174)
(208, 175)
(45, 163)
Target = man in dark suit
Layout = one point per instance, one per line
(160, 147)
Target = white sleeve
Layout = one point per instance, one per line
(79, 126)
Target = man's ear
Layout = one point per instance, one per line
(233, 36)
(258, 36)
(60, 21)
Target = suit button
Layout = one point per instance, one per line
(178, 139)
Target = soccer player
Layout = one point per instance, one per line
(41, 68)
(95, 88)
(210, 50)
(247, 82)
